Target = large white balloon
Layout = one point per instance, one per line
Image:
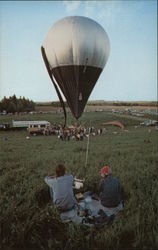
(75, 52)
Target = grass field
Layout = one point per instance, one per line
(30, 223)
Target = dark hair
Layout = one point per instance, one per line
(60, 170)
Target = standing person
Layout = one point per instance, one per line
(81, 135)
(68, 135)
(61, 133)
(61, 188)
(109, 192)
(65, 134)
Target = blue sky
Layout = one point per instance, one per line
(130, 73)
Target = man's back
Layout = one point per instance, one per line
(63, 196)
(109, 191)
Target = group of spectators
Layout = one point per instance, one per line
(75, 133)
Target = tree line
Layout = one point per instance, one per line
(13, 104)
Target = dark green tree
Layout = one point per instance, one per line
(14, 104)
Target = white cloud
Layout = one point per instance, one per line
(90, 7)
(102, 11)
(71, 5)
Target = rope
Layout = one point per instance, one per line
(53, 81)
(87, 152)
(87, 148)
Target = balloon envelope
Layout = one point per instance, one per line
(77, 49)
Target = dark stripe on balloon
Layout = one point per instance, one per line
(76, 82)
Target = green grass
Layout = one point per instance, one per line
(27, 223)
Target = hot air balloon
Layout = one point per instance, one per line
(75, 51)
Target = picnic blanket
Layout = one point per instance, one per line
(90, 212)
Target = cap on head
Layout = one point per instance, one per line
(106, 170)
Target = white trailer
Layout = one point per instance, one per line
(30, 124)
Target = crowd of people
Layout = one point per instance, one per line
(72, 132)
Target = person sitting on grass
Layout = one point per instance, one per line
(61, 188)
(109, 192)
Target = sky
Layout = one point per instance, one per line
(130, 73)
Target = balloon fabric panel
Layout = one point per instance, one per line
(76, 83)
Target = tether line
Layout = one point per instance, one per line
(87, 148)
(53, 81)
(87, 152)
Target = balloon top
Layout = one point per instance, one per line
(77, 40)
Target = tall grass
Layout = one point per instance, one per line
(27, 223)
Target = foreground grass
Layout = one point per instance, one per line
(31, 223)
